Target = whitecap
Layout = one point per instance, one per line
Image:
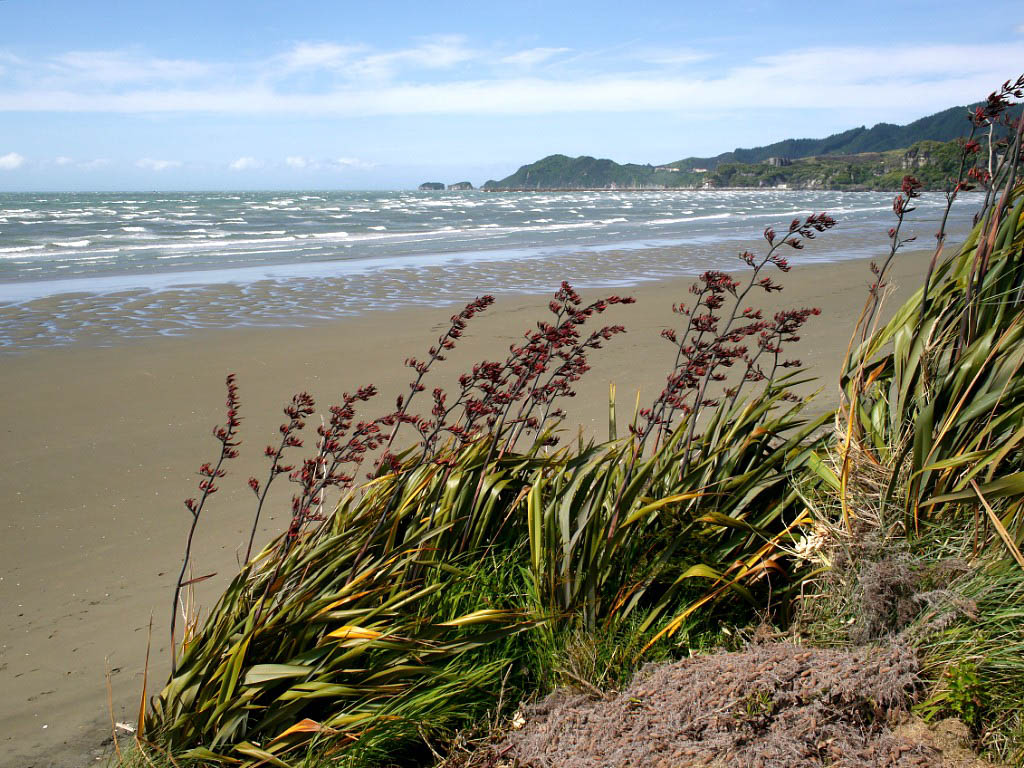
(22, 249)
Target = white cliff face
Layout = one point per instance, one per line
(915, 158)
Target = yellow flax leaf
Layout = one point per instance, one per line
(352, 632)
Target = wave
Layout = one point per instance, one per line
(21, 249)
(684, 219)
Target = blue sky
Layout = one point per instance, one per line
(110, 94)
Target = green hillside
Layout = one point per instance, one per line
(563, 172)
(933, 162)
(861, 158)
(942, 126)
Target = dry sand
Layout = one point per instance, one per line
(100, 445)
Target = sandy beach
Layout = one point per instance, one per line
(101, 444)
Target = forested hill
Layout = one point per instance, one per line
(563, 172)
(942, 126)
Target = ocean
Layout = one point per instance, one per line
(103, 267)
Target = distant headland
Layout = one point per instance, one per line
(861, 158)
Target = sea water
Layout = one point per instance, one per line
(136, 264)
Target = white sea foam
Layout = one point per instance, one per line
(21, 249)
(70, 243)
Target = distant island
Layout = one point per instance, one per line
(858, 159)
(437, 186)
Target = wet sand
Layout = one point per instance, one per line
(101, 443)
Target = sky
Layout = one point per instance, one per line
(333, 94)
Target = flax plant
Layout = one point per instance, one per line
(934, 394)
(395, 618)
(932, 430)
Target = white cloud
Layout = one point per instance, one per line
(150, 164)
(245, 164)
(349, 162)
(533, 56)
(299, 162)
(62, 160)
(312, 56)
(10, 161)
(673, 58)
(8, 59)
(121, 67)
(92, 165)
(918, 78)
(438, 53)
(355, 62)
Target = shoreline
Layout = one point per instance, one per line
(309, 296)
(103, 443)
(147, 265)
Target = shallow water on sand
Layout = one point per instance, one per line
(99, 267)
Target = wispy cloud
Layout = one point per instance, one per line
(63, 161)
(355, 62)
(10, 161)
(446, 76)
(533, 56)
(301, 163)
(151, 164)
(120, 67)
(314, 56)
(673, 57)
(245, 164)
(437, 53)
(348, 162)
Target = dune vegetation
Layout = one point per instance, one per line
(481, 562)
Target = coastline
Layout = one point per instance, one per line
(103, 441)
